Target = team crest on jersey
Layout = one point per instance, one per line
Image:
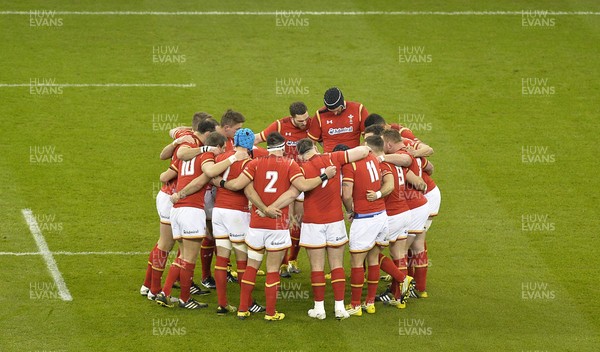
(340, 130)
(350, 119)
(329, 122)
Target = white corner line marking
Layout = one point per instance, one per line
(63, 291)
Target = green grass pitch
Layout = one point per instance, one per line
(508, 101)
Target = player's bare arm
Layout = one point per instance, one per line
(168, 175)
(396, 159)
(428, 168)
(305, 185)
(386, 188)
(168, 150)
(422, 150)
(194, 186)
(347, 190)
(237, 183)
(173, 131)
(212, 170)
(287, 198)
(358, 153)
(416, 181)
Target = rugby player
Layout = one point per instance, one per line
(338, 122)
(271, 176)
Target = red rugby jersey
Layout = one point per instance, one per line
(345, 128)
(225, 198)
(366, 176)
(395, 202)
(169, 187)
(188, 171)
(272, 176)
(323, 204)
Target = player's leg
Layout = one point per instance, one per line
(159, 258)
(208, 245)
(295, 235)
(316, 256)
(163, 207)
(357, 281)
(372, 278)
(274, 259)
(191, 249)
(255, 242)
(337, 238)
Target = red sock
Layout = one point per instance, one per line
(421, 270)
(248, 282)
(172, 276)
(148, 278)
(395, 288)
(357, 280)
(388, 266)
(285, 257)
(372, 282)
(410, 262)
(271, 283)
(221, 280)
(241, 269)
(403, 264)
(159, 261)
(295, 249)
(317, 279)
(338, 283)
(185, 279)
(206, 255)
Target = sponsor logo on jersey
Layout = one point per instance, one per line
(291, 143)
(188, 232)
(340, 238)
(277, 243)
(340, 130)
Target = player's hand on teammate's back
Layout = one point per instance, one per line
(241, 155)
(175, 198)
(185, 139)
(371, 196)
(330, 171)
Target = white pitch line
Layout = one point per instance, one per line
(177, 85)
(63, 291)
(298, 13)
(19, 254)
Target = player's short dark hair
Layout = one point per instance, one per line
(232, 118)
(391, 135)
(374, 119)
(215, 139)
(340, 147)
(298, 108)
(275, 139)
(375, 143)
(207, 125)
(304, 145)
(199, 117)
(333, 98)
(377, 130)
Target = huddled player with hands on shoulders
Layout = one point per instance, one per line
(293, 128)
(183, 138)
(270, 176)
(188, 219)
(323, 228)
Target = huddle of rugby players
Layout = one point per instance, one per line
(222, 190)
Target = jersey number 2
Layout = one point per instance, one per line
(272, 177)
